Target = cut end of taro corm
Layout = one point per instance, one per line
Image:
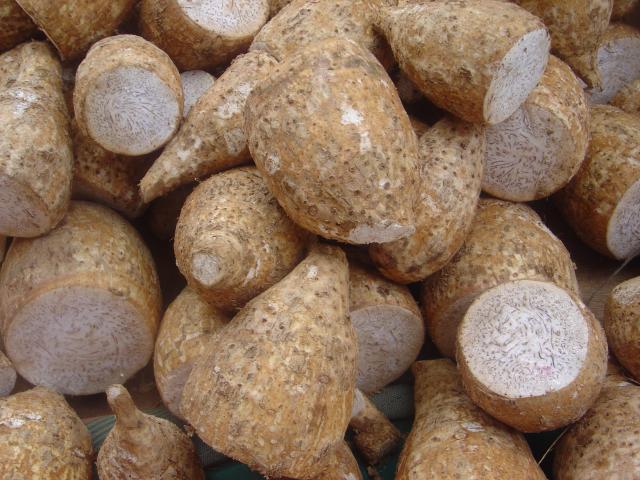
(623, 233)
(519, 72)
(618, 63)
(93, 337)
(524, 339)
(526, 155)
(131, 111)
(237, 18)
(389, 340)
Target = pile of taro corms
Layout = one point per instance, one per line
(323, 232)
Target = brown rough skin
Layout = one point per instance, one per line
(162, 216)
(603, 444)
(7, 375)
(303, 23)
(233, 241)
(628, 98)
(374, 435)
(576, 28)
(107, 178)
(122, 51)
(507, 241)
(35, 147)
(212, 139)
(144, 447)
(42, 437)
(283, 418)
(388, 325)
(189, 44)
(184, 335)
(93, 248)
(554, 409)
(330, 135)
(560, 98)
(611, 167)
(341, 465)
(451, 157)
(453, 439)
(622, 324)
(74, 25)
(446, 50)
(15, 25)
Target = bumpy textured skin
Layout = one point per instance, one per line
(144, 447)
(603, 445)
(576, 27)
(451, 156)
(507, 241)
(123, 51)
(374, 435)
(561, 95)
(554, 409)
(184, 336)
(107, 178)
(446, 50)
(368, 290)
(35, 145)
(74, 25)
(42, 437)
(336, 147)
(191, 46)
(278, 396)
(622, 324)
(342, 465)
(7, 376)
(628, 98)
(15, 25)
(453, 439)
(164, 212)
(233, 217)
(612, 165)
(303, 23)
(92, 246)
(212, 139)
